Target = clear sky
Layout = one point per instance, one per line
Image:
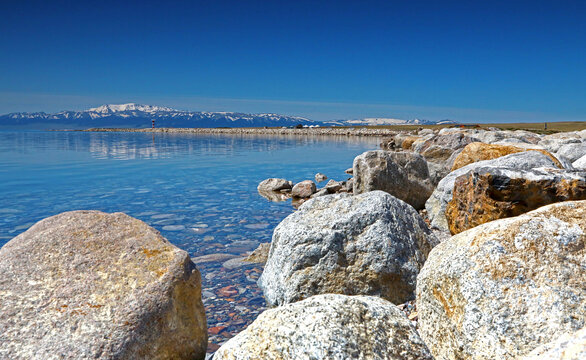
(469, 60)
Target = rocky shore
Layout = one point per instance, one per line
(445, 244)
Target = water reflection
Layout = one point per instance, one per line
(128, 146)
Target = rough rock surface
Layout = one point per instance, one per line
(442, 195)
(328, 327)
(580, 163)
(501, 289)
(440, 147)
(368, 244)
(304, 189)
(87, 284)
(566, 347)
(487, 194)
(402, 174)
(572, 151)
(274, 184)
(480, 151)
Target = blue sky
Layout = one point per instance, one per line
(471, 61)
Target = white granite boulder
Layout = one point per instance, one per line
(501, 289)
(328, 327)
(86, 284)
(368, 244)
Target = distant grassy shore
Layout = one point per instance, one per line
(552, 127)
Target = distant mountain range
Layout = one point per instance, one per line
(141, 116)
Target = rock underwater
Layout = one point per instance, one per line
(87, 284)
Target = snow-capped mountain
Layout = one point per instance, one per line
(391, 121)
(140, 116)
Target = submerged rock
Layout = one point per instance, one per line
(438, 201)
(87, 284)
(319, 177)
(487, 194)
(501, 289)
(402, 174)
(328, 327)
(304, 189)
(368, 244)
(260, 254)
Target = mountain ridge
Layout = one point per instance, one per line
(132, 115)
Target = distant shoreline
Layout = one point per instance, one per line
(259, 131)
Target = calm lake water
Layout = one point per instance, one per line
(199, 191)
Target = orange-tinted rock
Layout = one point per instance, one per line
(480, 151)
(228, 291)
(488, 194)
(408, 142)
(216, 329)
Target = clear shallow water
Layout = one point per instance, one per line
(199, 191)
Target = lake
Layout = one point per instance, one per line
(199, 191)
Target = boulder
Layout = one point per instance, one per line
(501, 289)
(554, 142)
(321, 192)
(304, 189)
(319, 177)
(328, 327)
(443, 145)
(566, 347)
(573, 151)
(402, 174)
(477, 151)
(334, 186)
(487, 194)
(87, 284)
(367, 244)
(442, 195)
(274, 184)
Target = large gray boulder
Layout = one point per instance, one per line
(368, 244)
(86, 284)
(328, 327)
(402, 174)
(501, 289)
(442, 195)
